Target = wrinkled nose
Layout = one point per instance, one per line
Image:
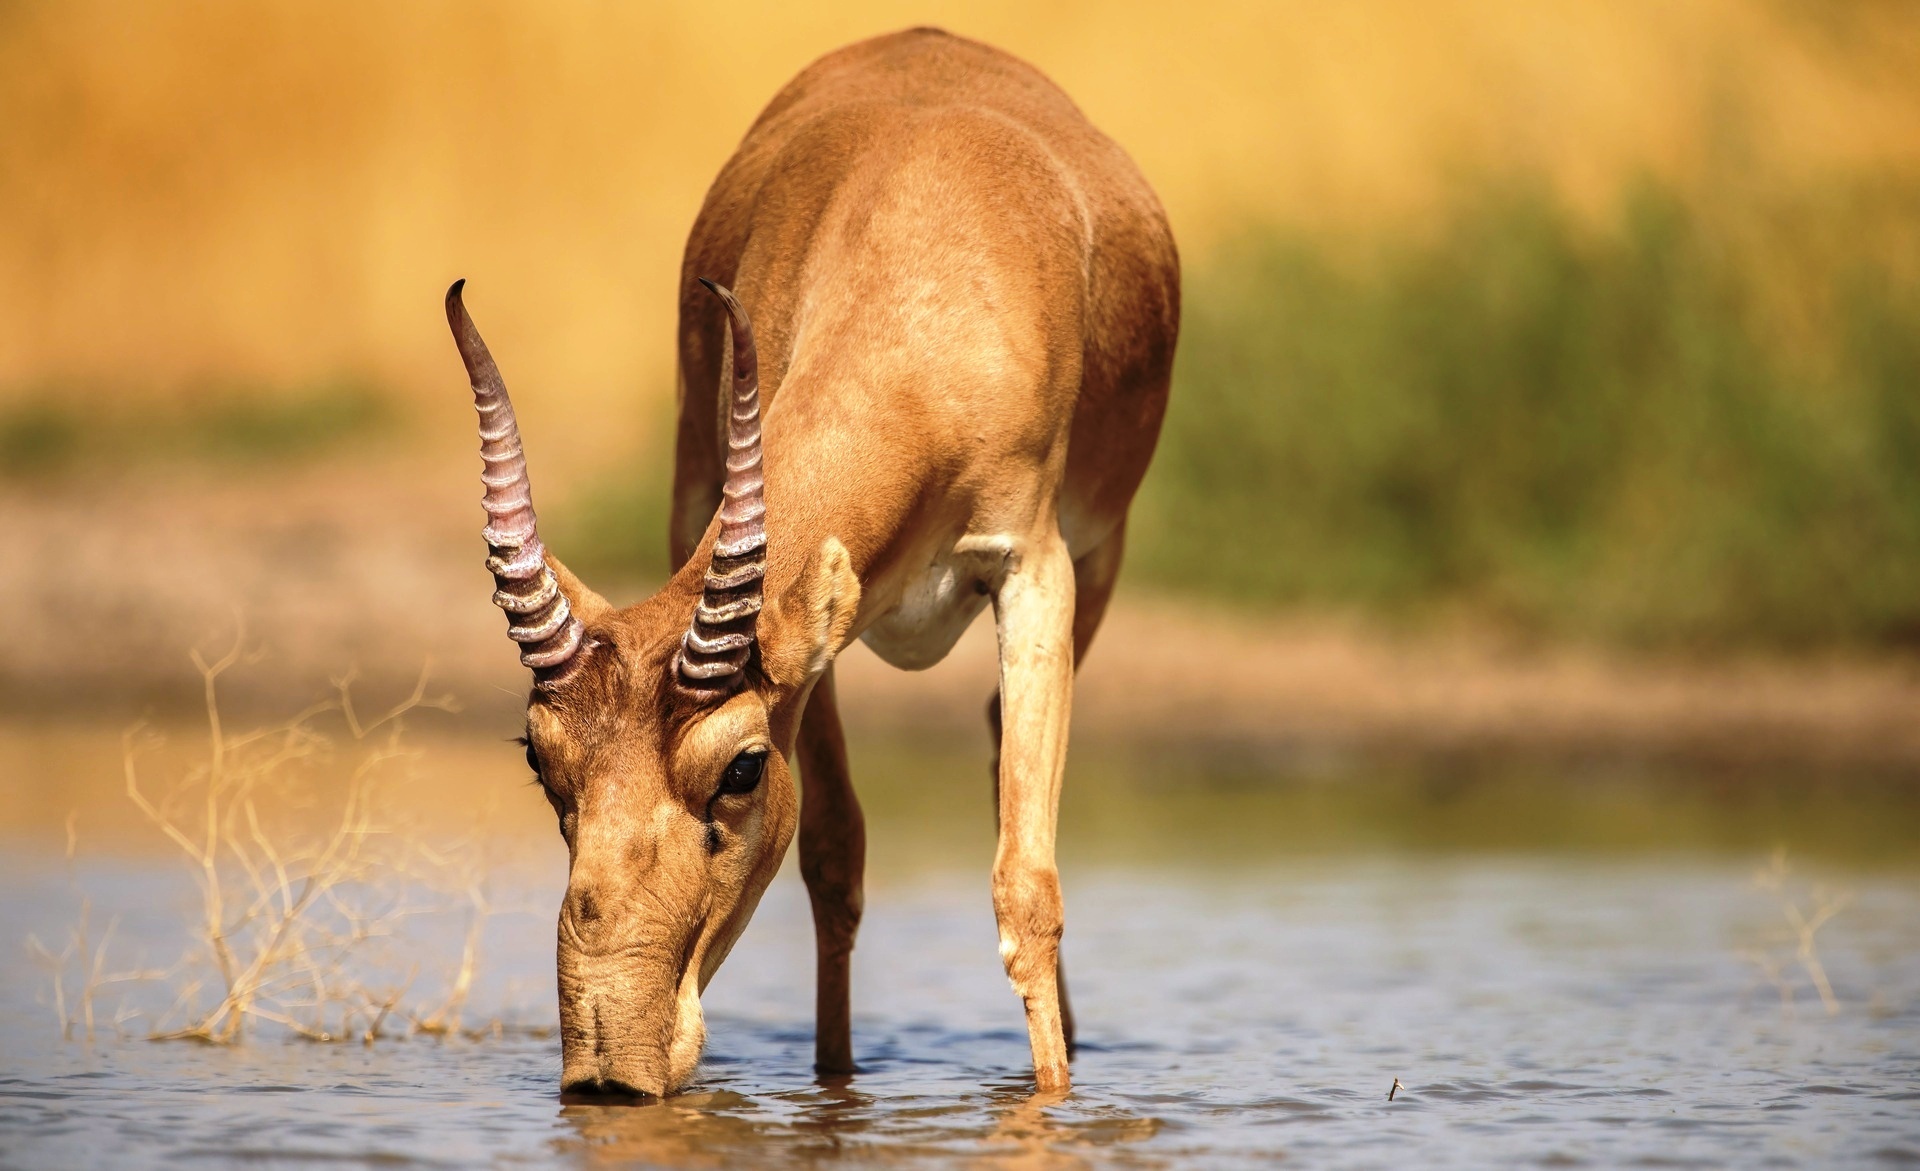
(622, 1026)
(608, 874)
(628, 922)
(586, 908)
(585, 916)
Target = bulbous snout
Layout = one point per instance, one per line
(630, 1020)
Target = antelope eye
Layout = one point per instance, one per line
(743, 774)
(533, 760)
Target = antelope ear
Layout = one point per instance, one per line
(812, 619)
(586, 605)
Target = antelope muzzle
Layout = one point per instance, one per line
(630, 1020)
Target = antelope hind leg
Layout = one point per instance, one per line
(1033, 610)
(833, 853)
(1094, 574)
(1060, 965)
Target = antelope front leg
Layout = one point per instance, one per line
(833, 853)
(1033, 609)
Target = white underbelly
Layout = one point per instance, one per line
(937, 605)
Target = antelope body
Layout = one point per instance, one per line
(948, 337)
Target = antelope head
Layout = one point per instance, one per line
(659, 734)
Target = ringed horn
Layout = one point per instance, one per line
(538, 617)
(715, 650)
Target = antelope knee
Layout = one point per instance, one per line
(1026, 902)
(838, 902)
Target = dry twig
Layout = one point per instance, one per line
(1798, 943)
(303, 883)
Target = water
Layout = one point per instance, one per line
(1538, 1010)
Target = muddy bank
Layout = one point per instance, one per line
(380, 572)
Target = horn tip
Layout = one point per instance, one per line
(726, 297)
(456, 309)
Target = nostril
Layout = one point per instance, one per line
(585, 908)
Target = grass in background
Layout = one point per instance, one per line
(51, 433)
(1670, 429)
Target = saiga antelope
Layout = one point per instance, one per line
(948, 341)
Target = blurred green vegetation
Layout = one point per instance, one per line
(1699, 424)
(49, 433)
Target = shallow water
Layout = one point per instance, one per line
(1537, 1011)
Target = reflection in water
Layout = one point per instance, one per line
(693, 1130)
(1008, 1126)
(1026, 1133)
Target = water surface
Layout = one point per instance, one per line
(1537, 1011)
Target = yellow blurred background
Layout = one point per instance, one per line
(274, 194)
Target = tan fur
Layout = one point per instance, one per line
(965, 300)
